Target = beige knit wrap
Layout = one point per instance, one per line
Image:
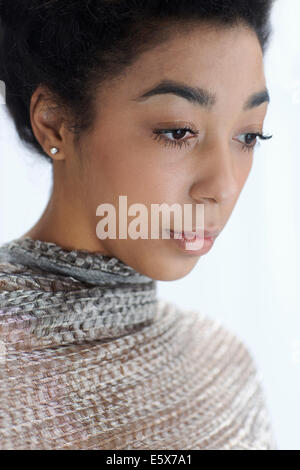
(91, 359)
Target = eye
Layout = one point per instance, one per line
(176, 136)
(251, 137)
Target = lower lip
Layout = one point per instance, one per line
(191, 246)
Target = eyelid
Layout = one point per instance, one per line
(159, 134)
(177, 125)
(259, 134)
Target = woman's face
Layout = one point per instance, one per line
(123, 155)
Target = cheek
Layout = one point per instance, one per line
(133, 169)
(241, 176)
(245, 169)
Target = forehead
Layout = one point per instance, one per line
(229, 62)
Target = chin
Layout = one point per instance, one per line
(169, 269)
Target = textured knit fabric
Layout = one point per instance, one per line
(90, 358)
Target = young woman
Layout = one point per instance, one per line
(161, 102)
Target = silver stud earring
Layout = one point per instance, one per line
(54, 150)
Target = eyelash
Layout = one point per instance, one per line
(159, 136)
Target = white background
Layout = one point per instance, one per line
(249, 279)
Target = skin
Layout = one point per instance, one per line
(120, 156)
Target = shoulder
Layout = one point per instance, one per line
(210, 331)
(229, 367)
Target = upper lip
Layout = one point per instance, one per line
(207, 233)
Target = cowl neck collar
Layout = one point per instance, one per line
(50, 296)
(93, 268)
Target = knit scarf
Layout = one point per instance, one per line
(91, 359)
(73, 296)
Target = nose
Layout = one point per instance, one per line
(217, 176)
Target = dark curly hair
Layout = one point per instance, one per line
(74, 46)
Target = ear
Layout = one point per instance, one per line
(47, 122)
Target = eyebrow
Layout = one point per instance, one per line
(200, 96)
